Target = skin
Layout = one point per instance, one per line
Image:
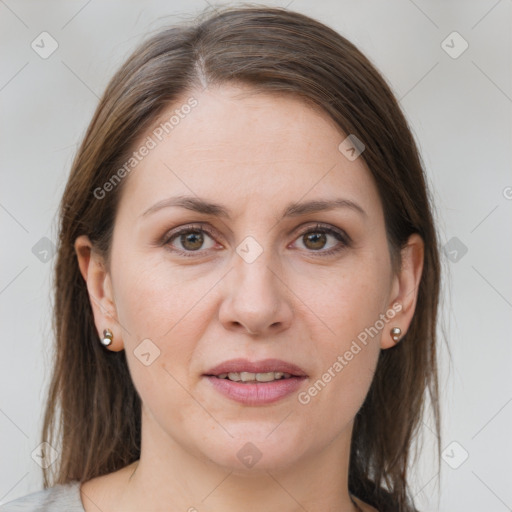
(253, 154)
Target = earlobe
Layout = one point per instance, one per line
(99, 288)
(405, 291)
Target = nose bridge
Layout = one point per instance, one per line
(254, 270)
(257, 300)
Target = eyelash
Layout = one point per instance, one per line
(318, 228)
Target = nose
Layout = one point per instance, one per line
(256, 299)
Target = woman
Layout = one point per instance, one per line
(247, 281)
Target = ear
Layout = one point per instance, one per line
(99, 287)
(405, 289)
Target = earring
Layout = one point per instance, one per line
(395, 333)
(107, 337)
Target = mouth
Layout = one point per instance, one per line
(256, 383)
(267, 370)
(249, 377)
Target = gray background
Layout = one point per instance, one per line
(460, 111)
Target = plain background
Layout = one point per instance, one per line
(460, 112)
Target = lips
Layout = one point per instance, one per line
(262, 382)
(263, 366)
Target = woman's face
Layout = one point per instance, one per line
(261, 282)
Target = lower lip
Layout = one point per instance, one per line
(258, 393)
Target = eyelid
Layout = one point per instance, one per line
(327, 228)
(338, 233)
(174, 233)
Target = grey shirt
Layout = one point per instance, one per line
(61, 497)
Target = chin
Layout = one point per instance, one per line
(249, 453)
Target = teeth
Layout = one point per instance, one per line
(251, 377)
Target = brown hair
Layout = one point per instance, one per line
(93, 408)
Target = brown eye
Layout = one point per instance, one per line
(317, 238)
(189, 239)
(314, 241)
(192, 241)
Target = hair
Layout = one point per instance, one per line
(93, 411)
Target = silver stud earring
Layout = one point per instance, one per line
(395, 333)
(107, 337)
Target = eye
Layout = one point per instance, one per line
(191, 239)
(316, 238)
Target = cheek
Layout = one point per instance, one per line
(163, 311)
(345, 309)
(347, 352)
(350, 297)
(160, 312)
(154, 298)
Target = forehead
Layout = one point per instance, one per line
(236, 144)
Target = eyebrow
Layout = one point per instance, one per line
(295, 209)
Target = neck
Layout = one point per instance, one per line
(168, 476)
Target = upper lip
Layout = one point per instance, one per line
(263, 366)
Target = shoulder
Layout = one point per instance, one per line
(59, 497)
(365, 507)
